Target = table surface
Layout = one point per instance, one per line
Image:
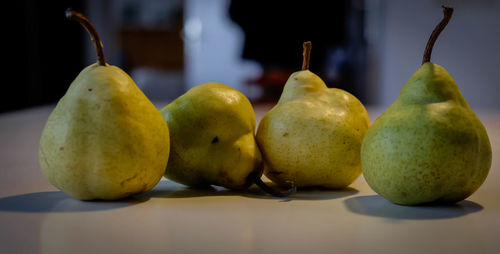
(35, 217)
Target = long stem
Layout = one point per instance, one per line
(263, 186)
(447, 11)
(306, 55)
(94, 36)
(255, 177)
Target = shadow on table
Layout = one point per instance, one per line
(380, 207)
(168, 189)
(58, 201)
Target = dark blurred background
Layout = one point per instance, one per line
(367, 47)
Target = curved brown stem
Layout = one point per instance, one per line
(94, 36)
(277, 193)
(447, 11)
(255, 178)
(306, 55)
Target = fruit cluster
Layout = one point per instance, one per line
(106, 140)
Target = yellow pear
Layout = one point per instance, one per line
(212, 130)
(312, 137)
(104, 139)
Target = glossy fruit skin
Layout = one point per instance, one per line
(104, 139)
(428, 146)
(313, 136)
(212, 130)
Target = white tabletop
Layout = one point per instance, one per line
(37, 218)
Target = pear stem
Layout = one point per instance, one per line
(94, 36)
(273, 192)
(306, 55)
(447, 11)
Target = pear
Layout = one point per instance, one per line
(313, 135)
(104, 139)
(212, 130)
(428, 146)
(212, 137)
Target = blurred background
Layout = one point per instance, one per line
(367, 47)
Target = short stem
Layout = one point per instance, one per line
(94, 36)
(306, 55)
(447, 11)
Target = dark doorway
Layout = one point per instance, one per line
(43, 53)
(275, 31)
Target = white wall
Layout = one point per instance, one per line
(469, 47)
(214, 45)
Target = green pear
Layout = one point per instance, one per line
(428, 146)
(312, 137)
(212, 130)
(104, 139)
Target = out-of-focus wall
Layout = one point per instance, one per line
(397, 32)
(214, 46)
